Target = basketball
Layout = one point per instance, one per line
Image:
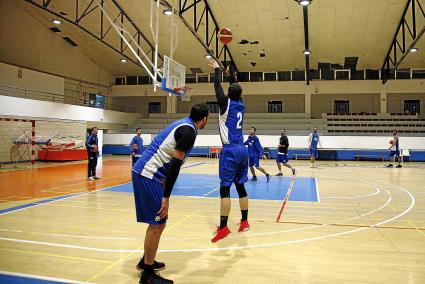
(225, 36)
(391, 142)
(136, 146)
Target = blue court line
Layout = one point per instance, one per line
(17, 278)
(27, 205)
(35, 204)
(205, 185)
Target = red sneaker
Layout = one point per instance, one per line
(244, 226)
(221, 233)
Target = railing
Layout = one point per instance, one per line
(58, 98)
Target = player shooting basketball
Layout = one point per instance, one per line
(233, 164)
(395, 151)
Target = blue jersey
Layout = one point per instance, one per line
(91, 141)
(231, 123)
(314, 140)
(139, 141)
(154, 162)
(254, 146)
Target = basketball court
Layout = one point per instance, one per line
(119, 65)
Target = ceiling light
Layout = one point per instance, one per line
(413, 49)
(304, 2)
(307, 52)
(208, 56)
(56, 22)
(168, 12)
(123, 60)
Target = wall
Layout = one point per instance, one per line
(140, 103)
(11, 130)
(14, 76)
(31, 44)
(18, 107)
(395, 102)
(324, 103)
(364, 96)
(330, 142)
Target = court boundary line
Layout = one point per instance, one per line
(40, 277)
(65, 196)
(317, 190)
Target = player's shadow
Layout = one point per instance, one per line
(219, 262)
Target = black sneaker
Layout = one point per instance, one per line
(279, 174)
(254, 179)
(293, 171)
(156, 265)
(153, 278)
(399, 166)
(268, 178)
(389, 166)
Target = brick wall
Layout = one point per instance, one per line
(11, 130)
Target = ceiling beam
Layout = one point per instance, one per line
(398, 51)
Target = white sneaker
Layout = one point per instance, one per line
(91, 178)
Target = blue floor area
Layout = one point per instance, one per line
(204, 185)
(18, 280)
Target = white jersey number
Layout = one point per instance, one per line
(238, 125)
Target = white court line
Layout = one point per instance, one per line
(32, 276)
(377, 191)
(234, 247)
(317, 190)
(58, 199)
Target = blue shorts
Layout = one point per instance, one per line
(148, 195)
(254, 161)
(233, 165)
(395, 154)
(314, 152)
(282, 158)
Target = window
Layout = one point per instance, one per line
(284, 76)
(154, 107)
(275, 107)
(144, 80)
(298, 75)
(214, 108)
(270, 76)
(342, 106)
(120, 81)
(412, 107)
(256, 76)
(131, 80)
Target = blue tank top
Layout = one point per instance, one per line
(231, 123)
(314, 140)
(153, 163)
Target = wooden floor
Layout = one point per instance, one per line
(369, 227)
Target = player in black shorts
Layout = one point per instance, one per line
(282, 153)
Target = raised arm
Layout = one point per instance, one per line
(219, 92)
(231, 74)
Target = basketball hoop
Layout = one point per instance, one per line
(182, 91)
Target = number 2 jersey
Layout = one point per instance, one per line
(231, 123)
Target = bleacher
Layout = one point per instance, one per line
(374, 123)
(266, 123)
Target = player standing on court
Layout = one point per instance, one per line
(93, 153)
(282, 153)
(154, 175)
(255, 151)
(313, 142)
(233, 163)
(136, 146)
(395, 151)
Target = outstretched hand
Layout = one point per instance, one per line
(214, 64)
